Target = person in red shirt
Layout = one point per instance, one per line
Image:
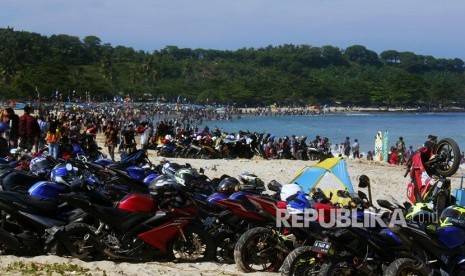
(394, 157)
(28, 130)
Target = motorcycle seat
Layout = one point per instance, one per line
(33, 204)
(117, 166)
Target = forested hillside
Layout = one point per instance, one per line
(286, 74)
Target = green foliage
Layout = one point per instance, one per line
(34, 268)
(285, 74)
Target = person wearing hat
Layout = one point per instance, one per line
(28, 130)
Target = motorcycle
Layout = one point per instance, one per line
(428, 168)
(344, 250)
(136, 230)
(26, 218)
(436, 249)
(264, 248)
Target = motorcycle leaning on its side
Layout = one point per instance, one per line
(428, 168)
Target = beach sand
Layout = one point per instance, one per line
(386, 181)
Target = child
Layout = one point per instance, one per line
(53, 137)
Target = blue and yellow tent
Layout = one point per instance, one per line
(330, 175)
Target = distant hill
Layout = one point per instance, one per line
(71, 68)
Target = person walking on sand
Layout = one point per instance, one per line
(28, 130)
(111, 139)
(53, 137)
(356, 149)
(129, 141)
(13, 128)
(400, 145)
(144, 132)
(346, 146)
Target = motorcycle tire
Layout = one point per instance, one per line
(252, 244)
(75, 233)
(301, 261)
(7, 229)
(226, 242)
(197, 246)
(450, 150)
(406, 266)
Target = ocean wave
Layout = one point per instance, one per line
(358, 114)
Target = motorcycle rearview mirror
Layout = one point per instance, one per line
(201, 170)
(363, 181)
(189, 166)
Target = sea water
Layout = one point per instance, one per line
(413, 127)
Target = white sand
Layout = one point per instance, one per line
(386, 180)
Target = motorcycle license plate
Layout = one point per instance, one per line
(321, 247)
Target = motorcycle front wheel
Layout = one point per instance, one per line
(226, 242)
(77, 247)
(449, 153)
(194, 245)
(259, 249)
(301, 261)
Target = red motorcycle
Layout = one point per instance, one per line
(163, 225)
(428, 168)
(264, 248)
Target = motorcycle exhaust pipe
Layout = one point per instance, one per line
(106, 251)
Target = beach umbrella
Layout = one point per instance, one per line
(330, 175)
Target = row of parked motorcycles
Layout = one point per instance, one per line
(133, 210)
(247, 146)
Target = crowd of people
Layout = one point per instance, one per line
(126, 129)
(53, 125)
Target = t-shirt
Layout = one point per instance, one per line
(400, 145)
(129, 136)
(53, 138)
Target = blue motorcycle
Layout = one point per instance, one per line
(436, 249)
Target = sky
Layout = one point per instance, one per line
(424, 27)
